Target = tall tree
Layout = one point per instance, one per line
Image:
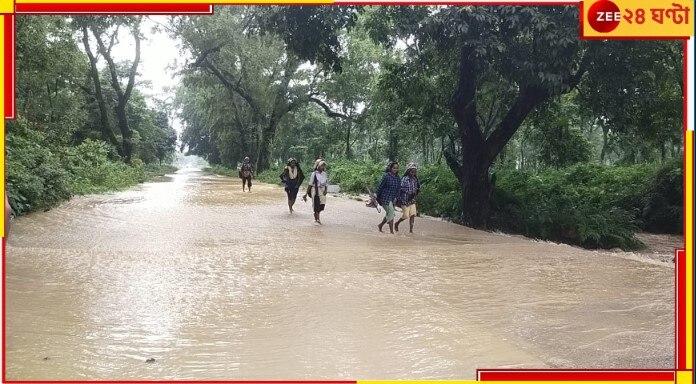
(105, 32)
(521, 56)
(263, 78)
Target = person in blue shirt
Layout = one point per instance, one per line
(387, 193)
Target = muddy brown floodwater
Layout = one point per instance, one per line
(213, 283)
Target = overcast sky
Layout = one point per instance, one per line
(157, 54)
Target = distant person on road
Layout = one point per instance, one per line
(292, 177)
(410, 188)
(246, 172)
(318, 188)
(388, 193)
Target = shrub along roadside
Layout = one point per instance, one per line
(589, 205)
(38, 178)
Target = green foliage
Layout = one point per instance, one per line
(309, 31)
(36, 178)
(557, 140)
(156, 170)
(440, 192)
(354, 176)
(39, 177)
(272, 175)
(634, 91)
(590, 205)
(54, 147)
(222, 170)
(663, 203)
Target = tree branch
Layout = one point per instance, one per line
(327, 109)
(204, 54)
(528, 99)
(463, 103)
(136, 61)
(110, 62)
(573, 80)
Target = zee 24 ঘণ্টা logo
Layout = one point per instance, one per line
(605, 16)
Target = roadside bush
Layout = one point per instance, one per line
(440, 192)
(93, 172)
(547, 205)
(40, 176)
(663, 203)
(354, 176)
(590, 205)
(154, 170)
(36, 179)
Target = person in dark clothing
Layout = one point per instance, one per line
(292, 177)
(387, 193)
(410, 188)
(246, 172)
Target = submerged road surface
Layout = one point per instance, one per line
(213, 283)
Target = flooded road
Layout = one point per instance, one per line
(214, 283)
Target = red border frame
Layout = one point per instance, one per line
(115, 8)
(10, 108)
(577, 375)
(481, 374)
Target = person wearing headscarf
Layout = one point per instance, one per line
(388, 193)
(410, 188)
(246, 172)
(318, 188)
(292, 177)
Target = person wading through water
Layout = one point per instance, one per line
(292, 177)
(410, 188)
(318, 188)
(387, 192)
(246, 172)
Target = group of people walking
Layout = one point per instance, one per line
(317, 187)
(401, 192)
(392, 191)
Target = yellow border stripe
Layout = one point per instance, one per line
(685, 377)
(688, 174)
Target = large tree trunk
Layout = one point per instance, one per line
(605, 144)
(107, 132)
(477, 151)
(476, 189)
(123, 96)
(349, 155)
(126, 133)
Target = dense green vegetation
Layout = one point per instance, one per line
(79, 129)
(590, 205)
(516, 123)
